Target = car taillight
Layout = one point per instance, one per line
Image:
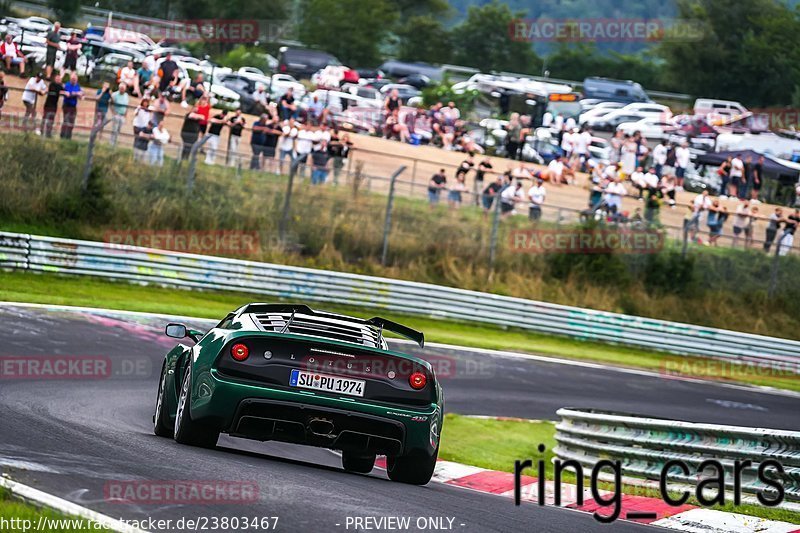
(417, 380)
(239, 352)
(283, 68)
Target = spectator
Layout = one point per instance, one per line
(391, 104)
(53, 45)
(149, 63)
(748, 227)
(55, 90)
(217, 122)
(536, 195)
(316, 111)
(287, 107)
(102, 103)
(724, 172)
(455, 194)
(190, 131)
(236, 124)
(286, 142)
(773, 225)
(582, 140)
(141, 140)
(69, 106)
(628, 157)
(3, 92)
(258, 140)
(616, 146)
(652, 207)
(141, 119)
(682, 161)
(34, 88)
(119, 108)
(319, 158)
(668, 184)
(659, 158)
(338, 149)
(204, 108)
(789, 227)
(490, 193)
(145, 76)
(614, 192)
(699, 206)
(437, 182)
(555, 170)
(193, 90)
(716, 218)
(480, 173)
(567, 143)
(160, 108)
(736, 176)
(261, 97)
(303, 146)
(509, 197)
(669, 166)
(12, 55)
(127, 75)
(747, 180)
(73, 51)
(637, 179)
(450, 114)
(740, 220)
(273, 133)
(167, 73)
(758, 180)
(596, 182)
(160, 138)
(513, 136)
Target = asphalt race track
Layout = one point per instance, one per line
(72, 437)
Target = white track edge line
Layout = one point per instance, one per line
(36, 496)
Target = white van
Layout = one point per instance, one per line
(708, 106)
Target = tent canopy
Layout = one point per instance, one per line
(771, 165)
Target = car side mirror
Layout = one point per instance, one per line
(177, 331)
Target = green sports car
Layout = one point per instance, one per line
(286, 372)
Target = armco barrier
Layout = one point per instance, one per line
(143, 265)
(644, 445)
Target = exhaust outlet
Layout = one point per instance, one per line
(320, 426)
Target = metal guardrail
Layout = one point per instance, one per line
(644, 445)
(143, 265)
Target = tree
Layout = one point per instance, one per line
(352, 30)
(578, 61)
(745, 51)
(67, 11)
(424, 38)
(483, 40)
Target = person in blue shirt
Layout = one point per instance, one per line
(69, 106)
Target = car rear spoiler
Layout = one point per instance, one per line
(394, 327)
(381, 323)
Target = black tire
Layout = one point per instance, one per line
(161, 422)
(412, 469)
(186, 430)
(358, 463)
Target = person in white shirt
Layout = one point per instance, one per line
(33, 89)
(303, 147)
(682, 160)
(130, 78)
(700, 206)
(509, 198)
(536, 195)
(570, 123)
(741, 220)
(567, 143)
(556, 170)
(286, 144)
(558, 124)
(736, 176)
(155, 150)
(547, 119)
(637, 179)
(651, 179)
(12, 55)
(614, 193)
(659, 157)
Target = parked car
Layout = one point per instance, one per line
(280, 83)
(614, 90)
(107, 68)
(602, 108)
(303, 62)
(32, 24)
(610, 121)
(652, 128)
(245, 87)
(404, 91)
(708, 106)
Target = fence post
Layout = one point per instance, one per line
(193, 161)
(773, 278)
(685, 240)
(495, 229)
(413, 176)
(283, 225)
(87, 169)
(387, 225)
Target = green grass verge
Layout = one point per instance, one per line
(23, 517)
(496, 444)
(93, 292)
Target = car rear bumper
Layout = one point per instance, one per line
(306, 417)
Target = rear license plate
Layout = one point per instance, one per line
(327, 383)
